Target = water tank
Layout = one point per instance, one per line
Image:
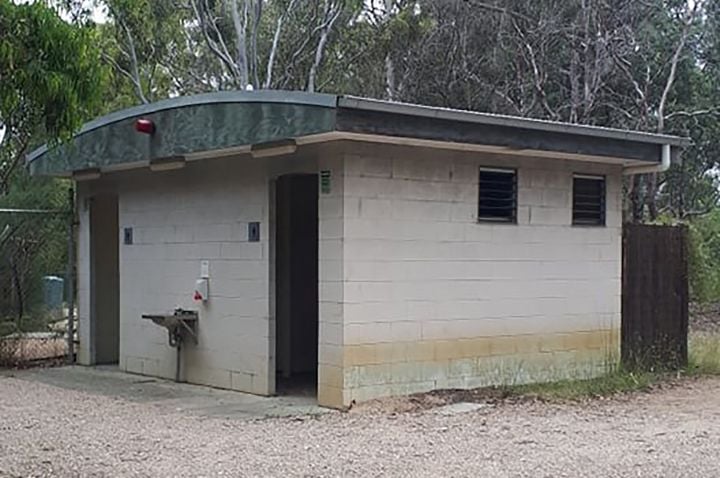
(53, 288)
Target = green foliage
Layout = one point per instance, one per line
(49, 70)
(356, 62)
(51, 81)
(704, 258)
(35, 192)
(31, 246)
(141, 44)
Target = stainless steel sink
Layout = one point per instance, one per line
(181, 325)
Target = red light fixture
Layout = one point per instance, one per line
(145, 126)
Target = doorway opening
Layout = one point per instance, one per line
(296, 284)
(104, 280)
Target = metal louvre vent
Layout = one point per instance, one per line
(588, 200)
(498, 195)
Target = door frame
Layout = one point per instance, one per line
(274, 283)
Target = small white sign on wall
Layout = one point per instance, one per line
(205, 270)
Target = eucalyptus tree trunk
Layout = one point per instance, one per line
(241, 55)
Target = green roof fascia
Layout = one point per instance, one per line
(186, 125)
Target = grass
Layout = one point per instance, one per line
(703, 360)
(619, 381)
(704, 354)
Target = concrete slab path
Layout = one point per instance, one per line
(177, 397)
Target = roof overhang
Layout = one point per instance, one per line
(267, 123)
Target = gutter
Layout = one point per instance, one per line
(665, 157)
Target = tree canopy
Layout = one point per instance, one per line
(51, 78)
(650, 65)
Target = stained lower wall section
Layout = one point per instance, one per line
(410, 367)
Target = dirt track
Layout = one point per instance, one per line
(50, 431)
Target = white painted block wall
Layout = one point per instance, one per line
(82, 237)
(415, 294)
(200, 213)
(420, 271)
(179, 219)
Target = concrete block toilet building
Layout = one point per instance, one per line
(367, 247)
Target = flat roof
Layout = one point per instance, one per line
(228, 120)
(506, 120)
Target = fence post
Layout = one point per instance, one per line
(70, 278)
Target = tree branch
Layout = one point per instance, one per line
(299, 50)
(690, 16)
(496, 9)
(133, 79)
(275, 43)
(134, 64)
(334, 11)
(18, 155)
(692, 114)
(222, 55)
(241, 62)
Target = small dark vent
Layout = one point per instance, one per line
(498, 195)
(589, 200)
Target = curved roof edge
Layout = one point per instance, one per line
(260, 96)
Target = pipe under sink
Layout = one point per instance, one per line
(181, 325)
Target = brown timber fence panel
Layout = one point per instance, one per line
(655, 296)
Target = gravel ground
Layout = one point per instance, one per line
(49, 431)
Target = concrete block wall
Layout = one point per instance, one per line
(433, 299)
(414, 293)
(331, 209)
(327, 158)
(179, 219)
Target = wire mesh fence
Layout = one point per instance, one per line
(33, 303)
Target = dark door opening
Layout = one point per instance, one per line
(296, 276)
(104, 280)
